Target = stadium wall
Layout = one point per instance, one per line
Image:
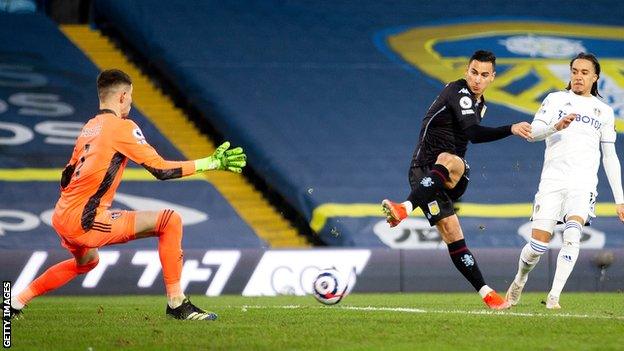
(253, 272)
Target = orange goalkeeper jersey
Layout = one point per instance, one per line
(91, 177)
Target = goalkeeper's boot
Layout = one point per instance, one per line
(16, 314)
(188, 311)
(394, 212)
(513, 293)
(495, 301)
(552, 302)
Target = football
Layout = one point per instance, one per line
(330, 286)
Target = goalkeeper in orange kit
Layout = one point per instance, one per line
(82, 218)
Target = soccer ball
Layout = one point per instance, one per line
(330, 286)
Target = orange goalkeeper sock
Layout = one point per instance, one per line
(169, 230)
(53, 278)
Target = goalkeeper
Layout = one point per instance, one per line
(82, 218)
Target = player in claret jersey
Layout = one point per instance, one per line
(82, 218)
(575, 125)
(439, 174)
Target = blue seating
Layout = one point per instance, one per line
(328, 112)
(47, 91)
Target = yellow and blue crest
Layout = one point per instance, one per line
(532, 57)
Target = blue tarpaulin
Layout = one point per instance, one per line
(47, 92)
(328, 99)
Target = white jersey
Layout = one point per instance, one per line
(572, 155)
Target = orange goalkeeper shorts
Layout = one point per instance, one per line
(109, 227)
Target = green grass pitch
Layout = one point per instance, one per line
(445, 321)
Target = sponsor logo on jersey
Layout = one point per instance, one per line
(583, 119)
(468, 112)
(532, 57)
(91, 131)
(427, 182)
(463, 91)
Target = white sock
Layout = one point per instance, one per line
(529, 257)
(567, 256)
(485, 290)
(408, 207)
(15, 303)
(175, 301)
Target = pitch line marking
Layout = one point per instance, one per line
(245, 308)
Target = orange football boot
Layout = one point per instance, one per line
(495, 301)
(394, 212)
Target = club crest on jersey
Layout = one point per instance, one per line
(597, 112)
(532, 57)
(115, 215)
(434, 208)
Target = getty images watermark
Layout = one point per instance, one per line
(6, 314)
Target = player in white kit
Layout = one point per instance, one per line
(575, 125)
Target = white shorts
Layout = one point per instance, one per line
(559, 204)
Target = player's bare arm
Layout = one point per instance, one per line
(540, 130)
(619, 209)
(565, 121)
(521, 129)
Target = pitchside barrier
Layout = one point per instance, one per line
(256, 272)
(209, 220)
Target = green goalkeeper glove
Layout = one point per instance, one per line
(232, 160)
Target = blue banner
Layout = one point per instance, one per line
(47, 92)
(209, 221)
